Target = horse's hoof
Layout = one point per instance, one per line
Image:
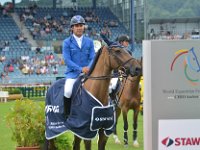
(125, 145)
(117, 141)
(135, 144)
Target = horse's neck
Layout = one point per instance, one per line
(134, 83)
(99, 88)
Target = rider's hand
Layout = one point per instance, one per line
(85, 70)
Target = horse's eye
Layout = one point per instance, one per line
(118, 51)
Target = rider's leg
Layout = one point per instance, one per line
(68, 87)
(67, 95)
(112, 88)
(67, 106)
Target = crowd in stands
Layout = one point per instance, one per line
(44, 63)
(169, 35)
(47, 64)
(90, 16)
(6, 9)
(41, 26)
(40, 64)
(4, 45)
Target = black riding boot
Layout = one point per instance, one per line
(112, 95)
(67, 104)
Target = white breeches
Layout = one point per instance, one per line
(113, 84)
(69, 83)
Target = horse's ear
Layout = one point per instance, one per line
(104, 48)
(106, 40)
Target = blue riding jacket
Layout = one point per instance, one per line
(76, 58)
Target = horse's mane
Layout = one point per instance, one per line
(95, 61)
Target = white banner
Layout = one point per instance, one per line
(182, 134)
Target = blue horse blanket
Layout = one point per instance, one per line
(87, 114)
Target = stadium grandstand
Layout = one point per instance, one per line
(32, 32)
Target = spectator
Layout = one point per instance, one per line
(55, 70)
(21, 37)
(2, 45)
(106, 31)
(2, 59)
(5, 13)
(38, 50)
(113, 23)
(6, 46)
(38, 72)
(25, 69)
(51, 56)
(2, 76)
(11, 68)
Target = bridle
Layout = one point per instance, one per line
(121, 63)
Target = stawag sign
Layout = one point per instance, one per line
(179, 134)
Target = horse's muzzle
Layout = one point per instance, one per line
(135, 71)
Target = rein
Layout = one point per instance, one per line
(105, 77)
(117, 99)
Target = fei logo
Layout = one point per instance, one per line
(167, 141)
(190, 64)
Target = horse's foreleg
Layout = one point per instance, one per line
(76, 143)
(135, 125)
(102, 140)
(118, 112)
(87, 144)
(125, 127)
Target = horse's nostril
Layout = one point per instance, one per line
(139, 70)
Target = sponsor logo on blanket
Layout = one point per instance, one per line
(51, 108)
(103, 118)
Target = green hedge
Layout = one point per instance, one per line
(13, 90)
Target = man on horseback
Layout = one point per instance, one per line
(78, 53)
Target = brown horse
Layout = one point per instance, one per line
(129, 97)
(97, 83)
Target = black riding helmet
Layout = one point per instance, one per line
(123, 38)
(77, 20)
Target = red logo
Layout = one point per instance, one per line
(167, 142)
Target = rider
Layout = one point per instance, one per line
(78, 53)
(124, 40)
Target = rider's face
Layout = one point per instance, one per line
(125, 43)
(78, 29)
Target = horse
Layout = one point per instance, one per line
(98, 79)
(128, 98)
